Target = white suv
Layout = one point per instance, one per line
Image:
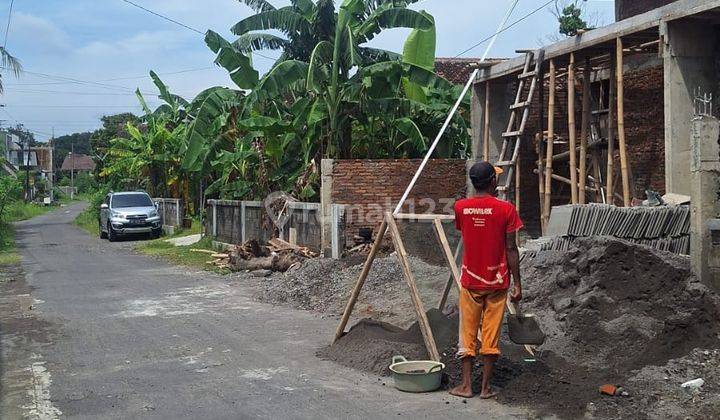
(128, 212)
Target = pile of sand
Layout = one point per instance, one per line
(610, 309)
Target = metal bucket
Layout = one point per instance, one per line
(416, 376)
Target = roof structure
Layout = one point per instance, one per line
(78, 162)
(458, 70)
(638, 32)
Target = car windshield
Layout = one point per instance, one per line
(131, 200)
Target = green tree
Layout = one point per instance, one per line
(570, 18)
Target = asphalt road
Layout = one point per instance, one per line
(93, 330)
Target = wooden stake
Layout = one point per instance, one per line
(446, 250)
(609, 176)
(624, 166)
(584, 126)
(414, 294)
(550, 138)
(486, 124)
(571, 129)
(541, 180)
(361, 281)
(451, 277)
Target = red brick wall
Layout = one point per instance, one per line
(374, 186)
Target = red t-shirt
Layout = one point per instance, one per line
(484, 221)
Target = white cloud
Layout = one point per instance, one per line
(34, 34)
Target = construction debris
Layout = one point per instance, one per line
(277, 255)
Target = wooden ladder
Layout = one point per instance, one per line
(516, 126)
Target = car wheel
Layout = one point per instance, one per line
(112, 236)
(103, 235)
(155, 234)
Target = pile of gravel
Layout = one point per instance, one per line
(325, 285)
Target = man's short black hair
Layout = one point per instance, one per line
(482, 174)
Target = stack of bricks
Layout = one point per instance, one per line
(372, 187)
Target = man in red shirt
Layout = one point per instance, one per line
(488, 226)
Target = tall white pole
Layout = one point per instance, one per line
(454, 109)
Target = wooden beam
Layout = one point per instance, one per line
(571, 129)
(549, 150)
(609, 177)
(624, 164)
(541, 179)
(607, 34)
(451, 278)
(361, 281)
(486, 124)
(584, 128)
(423, 216)
(423, 322)
(445, 245)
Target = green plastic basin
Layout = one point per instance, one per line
(416, 375)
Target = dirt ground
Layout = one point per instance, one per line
(614, 313)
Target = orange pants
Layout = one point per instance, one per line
(480, 310)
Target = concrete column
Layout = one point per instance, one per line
(502, 96)
(705, 200)
(326, 213)
(689, 63)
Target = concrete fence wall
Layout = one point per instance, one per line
(235, 222)
(171, 211)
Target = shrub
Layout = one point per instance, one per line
(10, 191)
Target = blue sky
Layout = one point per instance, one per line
(108, 47)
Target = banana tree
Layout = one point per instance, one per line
(328, 72)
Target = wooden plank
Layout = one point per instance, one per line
(624, 164)
(584, 126)
(451, 278)
(361, 281)
(541, 179)
(446, 250)
(550, 140)
(606, 34)
(609, 176)
(572, 141)
(423, 322)
(486, 124)
(423, 216)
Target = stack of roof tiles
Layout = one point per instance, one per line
(664, 227)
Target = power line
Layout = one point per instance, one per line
(182, 24)
(7, 28)
(164, 17)
(504, 29)
(117, 78)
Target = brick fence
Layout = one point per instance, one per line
(368, 188)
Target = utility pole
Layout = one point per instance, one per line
(72, 170)
(26, 160)
(51, 183)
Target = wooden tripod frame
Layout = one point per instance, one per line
(389, 223)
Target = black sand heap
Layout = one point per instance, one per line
(614, 313)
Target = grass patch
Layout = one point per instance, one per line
(19, 210)
(8, 256)
(181, 255)
(87, 220)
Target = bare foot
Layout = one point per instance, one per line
(487, 394)
(462, 391)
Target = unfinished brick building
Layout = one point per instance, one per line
(665, 55)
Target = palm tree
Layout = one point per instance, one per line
(9, 62)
